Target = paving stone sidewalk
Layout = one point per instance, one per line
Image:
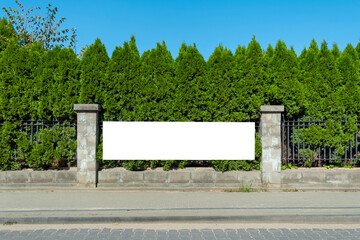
(206, 234)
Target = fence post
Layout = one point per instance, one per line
(87, 141)
(270, 131)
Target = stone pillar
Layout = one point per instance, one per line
(270, 131)
(87, 141)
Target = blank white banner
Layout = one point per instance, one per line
(178, 141)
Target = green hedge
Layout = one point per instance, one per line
(153, 86)
(49, 148)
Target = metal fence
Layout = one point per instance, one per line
(297, 152)
(32, 129)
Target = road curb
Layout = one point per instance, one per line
(295, 219)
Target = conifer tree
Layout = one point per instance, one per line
(157, 81)
(352, 52)
(328, 84)
(35, 89)
(150, 98)
(254, 82)
(302, 57)
(60, 84)
(357, 48)
(11, 71)
(120, 91)
(191, 86)
(230, 92)
(18, 81)
(6, 33)
(310, 59)
(240, 114)
(283, 72)
(309, 76)
(122, 82)
(269, 54)
(349, 92)
(239, 58)
(335, 51)
(93, 74)
(221, 80)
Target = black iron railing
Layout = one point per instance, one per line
(296, 150)
(32, 129)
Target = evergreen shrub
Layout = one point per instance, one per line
(42, 84)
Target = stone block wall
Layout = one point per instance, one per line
(187, 178)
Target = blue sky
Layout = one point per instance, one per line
(208, 23)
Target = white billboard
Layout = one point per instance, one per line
(178, 140)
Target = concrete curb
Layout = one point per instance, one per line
(308, 219)
(47, 188)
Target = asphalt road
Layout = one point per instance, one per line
(56, 207)
(178, 215)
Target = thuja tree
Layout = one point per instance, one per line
(156, 95)
(253, 80)
(329, 79)
(328, 86)
(23, 92)
(357, 48)
(239, 73)
(40, 83)
(6, 33)
(13, 71)
(309, 76)
(35, 87)
(157, 85)
(7, 141)
(60, 84)
(191, 86)
(226, 98)
(335, 51)
(120, 92)
(139, 89)
(121, 88)
(221, 92)
(269, 54)
(19, 79)
(93, 69)
(349, 91)
(282, 73)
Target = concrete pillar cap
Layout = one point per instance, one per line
(87, 107)
(272, 109)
